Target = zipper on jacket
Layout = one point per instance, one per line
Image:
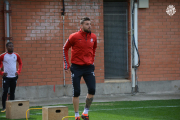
(86, 37)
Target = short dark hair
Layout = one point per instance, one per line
(84, 19)
(8, 43)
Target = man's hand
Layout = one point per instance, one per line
(67, 71)
(16, 74)
(5, 74)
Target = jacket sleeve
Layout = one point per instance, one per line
(20, 63)
(94, 49)
(1, 64)
(66, 47)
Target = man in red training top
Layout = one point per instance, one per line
(10, 75)
(83, 45)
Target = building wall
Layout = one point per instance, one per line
(1, 28)
(159, 44)
(38, 38)
(37, 31)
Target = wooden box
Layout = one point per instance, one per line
(54, 112)
(16, 109)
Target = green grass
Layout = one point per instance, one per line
(122, 110)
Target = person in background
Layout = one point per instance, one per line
(10, 75)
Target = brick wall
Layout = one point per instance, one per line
(1, 28)
(159, 43)
(129, 39)
(2, 34)
(37, 28)
(38, 38)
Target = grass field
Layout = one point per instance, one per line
(122, 110)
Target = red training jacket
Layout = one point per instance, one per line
(83, 46)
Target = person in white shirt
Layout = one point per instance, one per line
(10, 73)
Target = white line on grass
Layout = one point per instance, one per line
(131, 108)
(36, 114)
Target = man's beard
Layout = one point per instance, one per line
(10, 51)
(88, 31)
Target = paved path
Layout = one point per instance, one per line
(106, 98)
(109, 98)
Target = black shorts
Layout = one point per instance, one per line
(77, 71)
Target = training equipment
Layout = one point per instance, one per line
(16, 109)
(68, 117)
(31, 109)
(54, 112)
(3, 110)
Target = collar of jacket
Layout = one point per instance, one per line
(84, 33)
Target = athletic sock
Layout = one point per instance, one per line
(85, 110)
(76, 114)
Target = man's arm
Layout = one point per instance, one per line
(1, 64)
(66, 47)
(94, 49)
(20, 64)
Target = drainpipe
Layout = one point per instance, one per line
(63, 61)
(7, 20)
(135, 53)
(135, 33)
(63, 10)
(8, 28)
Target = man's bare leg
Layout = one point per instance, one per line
(76, 103)
(76, 106)
(89, 99)
(89, 96)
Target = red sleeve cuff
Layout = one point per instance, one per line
(1, 73)
(67, 67)
(18, 72)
